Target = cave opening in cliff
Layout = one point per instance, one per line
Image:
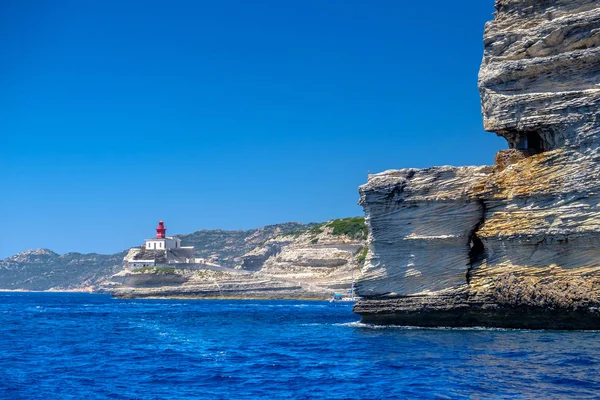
(530, 141)
(476, 250)
(534, 142)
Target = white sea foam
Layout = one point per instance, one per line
(362, 325)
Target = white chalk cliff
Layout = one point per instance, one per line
(516, 244)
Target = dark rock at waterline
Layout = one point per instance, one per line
(460, 311)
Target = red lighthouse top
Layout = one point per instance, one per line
(161, 231)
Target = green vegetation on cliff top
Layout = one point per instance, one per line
(354, 227)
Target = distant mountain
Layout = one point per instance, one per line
(44, 269)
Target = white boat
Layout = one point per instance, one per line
(338, 297)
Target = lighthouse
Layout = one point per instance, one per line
(160, 250)
(161, 231)
(162, 241)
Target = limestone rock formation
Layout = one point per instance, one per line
(227, 248)
(255, 258)
(319, 259)
(539, 75)
(421, 230)
(512, 244)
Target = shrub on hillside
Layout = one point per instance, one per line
(355, 227)
(316, 230)
(362, 255)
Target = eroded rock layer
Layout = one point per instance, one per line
(540, 72)
(421, 225)
(514, 244)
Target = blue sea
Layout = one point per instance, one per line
(82, 346)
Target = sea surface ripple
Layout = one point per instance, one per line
(81, 346)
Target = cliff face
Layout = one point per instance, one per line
(321, 259)
(421, 224)
(509, 244)
(227, 248)
(540, 72)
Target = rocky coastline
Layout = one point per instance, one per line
(312, 263)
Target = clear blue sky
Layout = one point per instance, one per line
(226, 114)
